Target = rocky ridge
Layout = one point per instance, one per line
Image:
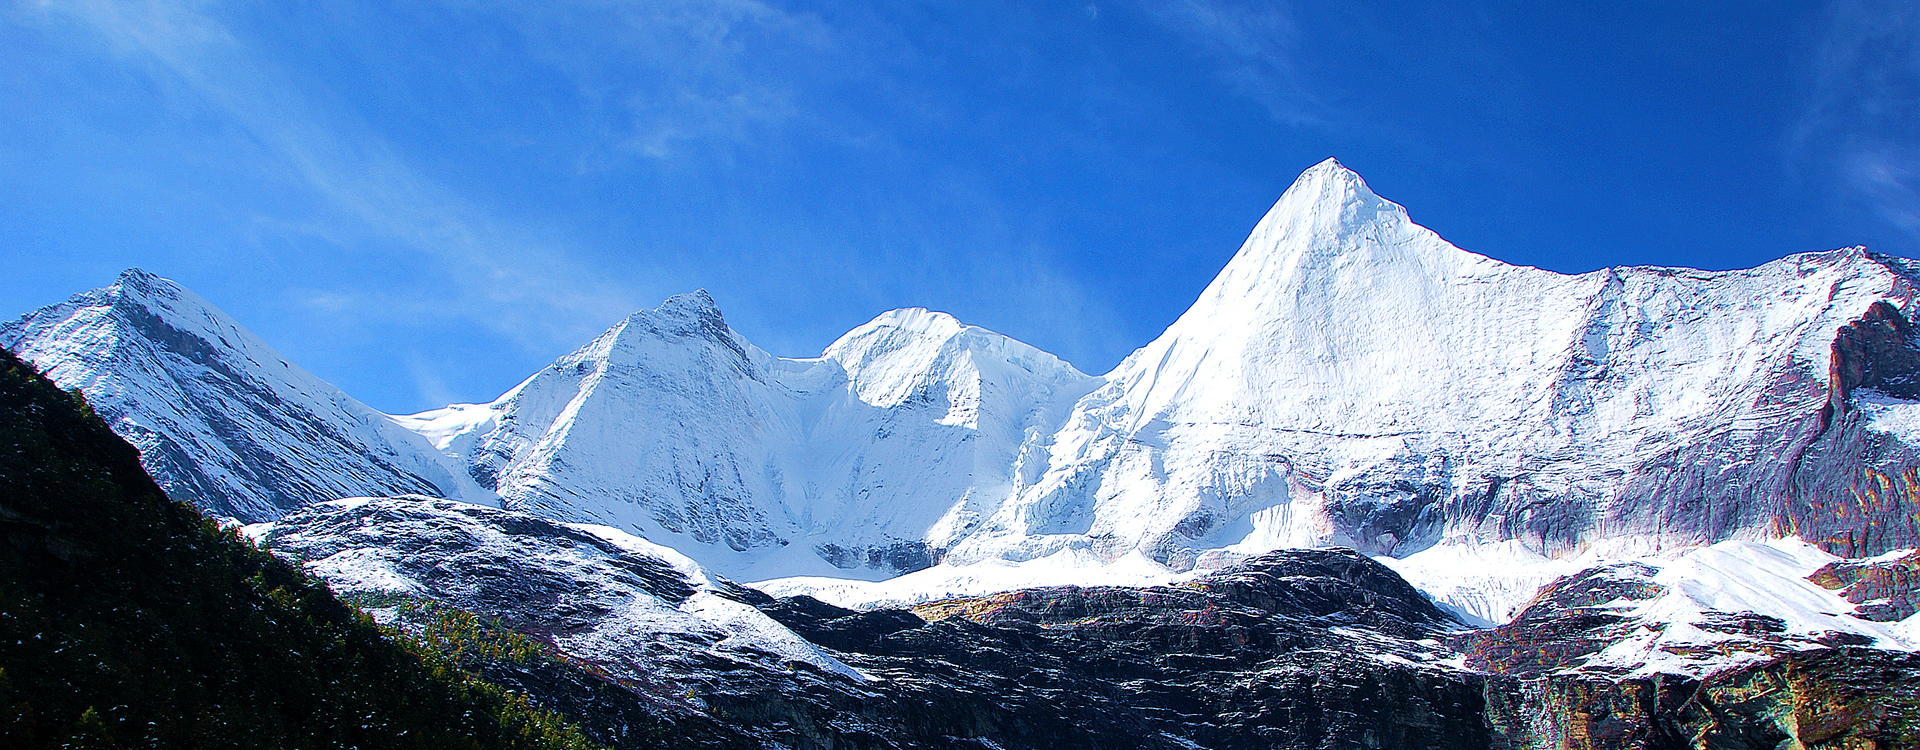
(1292, 649)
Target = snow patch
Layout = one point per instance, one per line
(1064, 568)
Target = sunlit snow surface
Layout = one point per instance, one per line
(1065, 568)
(1482, 584)
(599, 593)
(1349, 378)
(222, 420)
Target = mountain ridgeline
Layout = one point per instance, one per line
(221, 419)
(1349, 379)
(1667, 493)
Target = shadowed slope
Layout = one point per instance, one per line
(128, 620)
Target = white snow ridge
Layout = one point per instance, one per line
(220, 418)
(1349, 378)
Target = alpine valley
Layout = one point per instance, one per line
(1370, 490)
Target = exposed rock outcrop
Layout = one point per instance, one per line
(1883, 590)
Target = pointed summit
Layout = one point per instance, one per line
(1325, 203)
(1329, 234)
(692, 315)
(697, 302)
(222, 420)
(1331, 168)
(137, 278)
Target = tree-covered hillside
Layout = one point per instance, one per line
(128, 620)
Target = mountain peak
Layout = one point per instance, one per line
(1329, 165)
(137, 276)
(696, 307)
(1327, 222)
(915, 320)
(222, 420)
(1328, 197)
(697, 301)
(142, 286)
(691, 313)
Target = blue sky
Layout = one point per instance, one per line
(426, 201)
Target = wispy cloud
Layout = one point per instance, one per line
(1252, 42)
(681, 78)
(527, 290)
(1862, 118)
(673, 115)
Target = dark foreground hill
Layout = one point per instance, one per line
(129, 620)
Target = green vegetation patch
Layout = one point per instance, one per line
(128, 620)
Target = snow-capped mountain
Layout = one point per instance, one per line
(220, 418)
(1350, 378)
(868, 460)
(1680, 503)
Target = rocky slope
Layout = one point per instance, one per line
(1726, 647)
(1292, 649)
(220, 418)
(1296, 649)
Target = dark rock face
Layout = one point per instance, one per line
(1295, 649)
(1876, 351)
(1838, 698)
(901, 557)
(1850, 489)
(1885, 591)
(1564, 624)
